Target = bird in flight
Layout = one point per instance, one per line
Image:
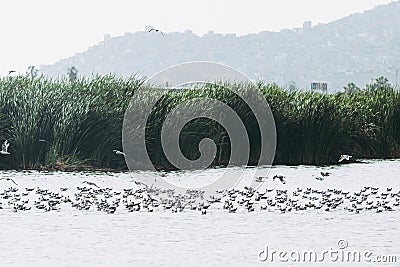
(344, 158)
(140, 183)
(151, 28)
(90, 183)
(260, 179)
(280, 177)
(119, 152)
(11, 71)
(9, 179)
(4, 148)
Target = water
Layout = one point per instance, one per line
(69, 237)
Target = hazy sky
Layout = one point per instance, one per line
(44, 31)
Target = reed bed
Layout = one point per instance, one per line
(50, 122)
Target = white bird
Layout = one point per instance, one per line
(4, 148)
(119, 152)
(344, 157)
(9, 179)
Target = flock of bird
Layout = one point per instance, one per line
(91, 197)
(144, 198)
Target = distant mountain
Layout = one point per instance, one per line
(352, 49)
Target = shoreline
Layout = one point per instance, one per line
(93, 169)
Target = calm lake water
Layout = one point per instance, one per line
(71, 237)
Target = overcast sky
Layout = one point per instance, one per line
(44, 31)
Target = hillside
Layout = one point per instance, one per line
(355, 48)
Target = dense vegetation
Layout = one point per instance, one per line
(52, 123)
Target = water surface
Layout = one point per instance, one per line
(71, 237)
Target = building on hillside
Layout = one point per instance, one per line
(319, 87)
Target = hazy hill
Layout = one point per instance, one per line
(355, 48)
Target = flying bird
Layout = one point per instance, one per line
(4, 148)
(9, 179)
(140, 183)
(325, 174)
(344, 158)
(119, 152)
(280, 177)
(90, 183)
(11, 71)
(261, 179)
(156, 30)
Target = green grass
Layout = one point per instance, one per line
(80, 122)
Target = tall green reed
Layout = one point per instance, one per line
(49, 121)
